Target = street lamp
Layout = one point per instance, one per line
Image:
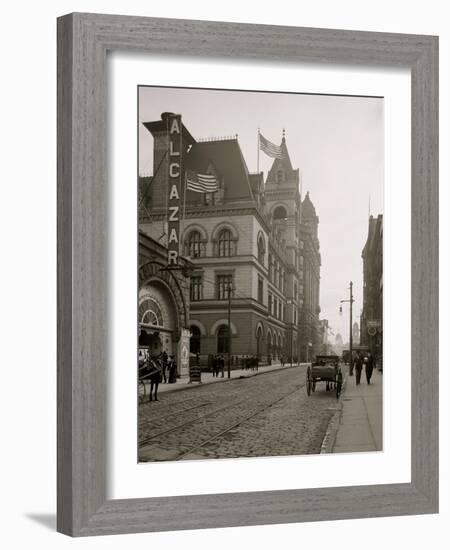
(350, 301)
(292, 303)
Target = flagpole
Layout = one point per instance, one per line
(257, 155)
(184, 205)
(301, 194)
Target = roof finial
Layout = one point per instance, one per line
(284, 133)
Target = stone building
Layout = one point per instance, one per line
(249, 237)
(371, 326)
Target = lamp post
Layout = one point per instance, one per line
(292, 303)
(350, 301)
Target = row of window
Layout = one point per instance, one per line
(277, 275)
(195, 245)
(224, 285)
(276, 307)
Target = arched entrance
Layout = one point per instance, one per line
(259, 338)
(222, 339)
(157, 319)
(163, 314)
(269, 347)
(196, 334)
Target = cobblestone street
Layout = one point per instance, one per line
(266, 415)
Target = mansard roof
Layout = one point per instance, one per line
(226, 159)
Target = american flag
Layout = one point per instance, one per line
(201, 183)
(270, 148)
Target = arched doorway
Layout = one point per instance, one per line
(222, 339)
(195, 342)
(259, 338)
(269, 347)
(158, 320)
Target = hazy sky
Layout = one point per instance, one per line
(336, 142)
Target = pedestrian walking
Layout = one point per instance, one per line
(172, 370)
(358, 368)
(214, 366)
(154, 371)
(222, 366)
(164, 358)
(369, 366)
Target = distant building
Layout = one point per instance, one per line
(355, 333)
(255, 237)
(371, 333)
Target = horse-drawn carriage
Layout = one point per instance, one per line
(149, 372)
(325, 369)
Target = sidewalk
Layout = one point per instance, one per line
(360, 428)
(207, 377)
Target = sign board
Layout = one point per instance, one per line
(195, 374)
(184, 351)
(175, 190)
(373, 323)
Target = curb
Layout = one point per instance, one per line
(330, 435)
(225, 379)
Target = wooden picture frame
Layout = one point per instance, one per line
(83, 41)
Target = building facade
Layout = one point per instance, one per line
(371, 326)
(163, 303)
(253, 245)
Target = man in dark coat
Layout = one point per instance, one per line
(369, 367)
(358, 368)
(164, 358)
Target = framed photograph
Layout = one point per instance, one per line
(247, 274)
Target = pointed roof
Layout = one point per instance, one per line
(308, 208)
(283, 164)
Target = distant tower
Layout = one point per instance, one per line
(339, 341)
(355, 331)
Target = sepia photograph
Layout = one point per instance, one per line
(260, 273)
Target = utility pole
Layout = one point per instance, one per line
(229, 329)
(351, 326)
(292, 342)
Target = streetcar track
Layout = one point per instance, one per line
(155, 420)
(235, 425)
(187, 423)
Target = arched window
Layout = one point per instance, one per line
(270, 267)
(280, 176)
(261, 250)
(195, 339)
(150, 313)
(222, 339)
(280, 213)
(259, 337)
(195, 245)
(225, 243)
